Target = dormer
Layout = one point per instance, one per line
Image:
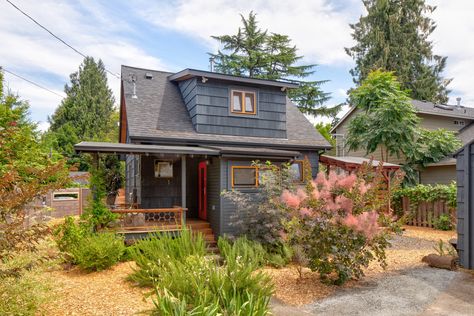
(232, 105)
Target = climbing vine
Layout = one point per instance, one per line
(426, 193)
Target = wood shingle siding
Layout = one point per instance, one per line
(208, 105)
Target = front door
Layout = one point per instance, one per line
(202, 187)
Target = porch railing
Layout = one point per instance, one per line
(173, 218)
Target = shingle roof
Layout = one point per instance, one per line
(430, 108)
(159, 114)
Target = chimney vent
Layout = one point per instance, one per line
(458, 100)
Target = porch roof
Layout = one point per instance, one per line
(350, 162)
(120, 148)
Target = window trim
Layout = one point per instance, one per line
(301, 163)
(59, 193)
(243, 93)
(244, 185)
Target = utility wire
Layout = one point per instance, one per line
(55, 36)
(31, 82)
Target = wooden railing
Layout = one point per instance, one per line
(173, 218)
(425, 213)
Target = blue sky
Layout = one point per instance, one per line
(172, 35)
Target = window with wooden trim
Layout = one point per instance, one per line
(244, 176)
(297, 171)
(65, 196)
(243, 102)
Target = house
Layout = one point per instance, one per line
(455, 118)
(190, 135)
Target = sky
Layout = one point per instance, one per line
(173, 35)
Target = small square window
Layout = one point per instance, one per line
(244, 176)
(243, 102)
(296, 171)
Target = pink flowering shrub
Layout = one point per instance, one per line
(340, 222)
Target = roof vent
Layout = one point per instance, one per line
(458, 102)
(148, 75)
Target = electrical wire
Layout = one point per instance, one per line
(54, 35)
(31, 82)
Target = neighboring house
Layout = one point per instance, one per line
(455, 118)
(188, 136)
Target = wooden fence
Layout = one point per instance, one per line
(425, 213)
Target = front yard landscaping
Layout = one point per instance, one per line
(108, 292)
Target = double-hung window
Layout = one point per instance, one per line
(243, 102)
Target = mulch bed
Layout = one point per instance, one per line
(99, 293)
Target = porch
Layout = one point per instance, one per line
(165, 189)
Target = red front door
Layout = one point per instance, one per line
(202, 187)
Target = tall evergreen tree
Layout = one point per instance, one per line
(85, 114)
(256, 53)
(394, 36)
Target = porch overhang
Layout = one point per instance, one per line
(257, 152)
(351, 163)
(120, 148)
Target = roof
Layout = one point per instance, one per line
(424, 107)
(190, 73)
(120, 148)
(354, 162)
(255, 151)
(466, 134)
(447, 161)
(159, 115)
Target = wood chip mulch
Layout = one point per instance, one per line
(98, 293)
(405, 252)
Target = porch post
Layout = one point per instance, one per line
(183, 181)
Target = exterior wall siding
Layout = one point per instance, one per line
(160, 192)
(214, 195)
(208, 105)
(465, 216)
(438, 175)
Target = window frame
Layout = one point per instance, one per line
(243, 105)
(301, 163)
(56, 194)
(233, 185)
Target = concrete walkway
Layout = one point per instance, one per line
(420, 291)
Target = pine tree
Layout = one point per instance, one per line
(394, 36)
(85, 114)
(256, 53)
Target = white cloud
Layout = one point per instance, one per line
(33, 53)
(315, 26)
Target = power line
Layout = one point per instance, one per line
(31, 82)
(55, 36)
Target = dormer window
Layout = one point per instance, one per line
(243, 102)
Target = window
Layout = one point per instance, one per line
(243, 102)
(296, 171)
(65, 196)
(163, 169)
(243, 176)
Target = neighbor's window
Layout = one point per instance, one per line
(243, 102)
(243, 176)
(296, 171)
(65, 196)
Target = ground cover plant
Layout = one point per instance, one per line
(188, 282)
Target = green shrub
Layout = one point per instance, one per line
(443, 222)
(98, 251)
(151, 253)
(68, 234)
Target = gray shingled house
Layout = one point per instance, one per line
(188, 136)
(456, 118)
